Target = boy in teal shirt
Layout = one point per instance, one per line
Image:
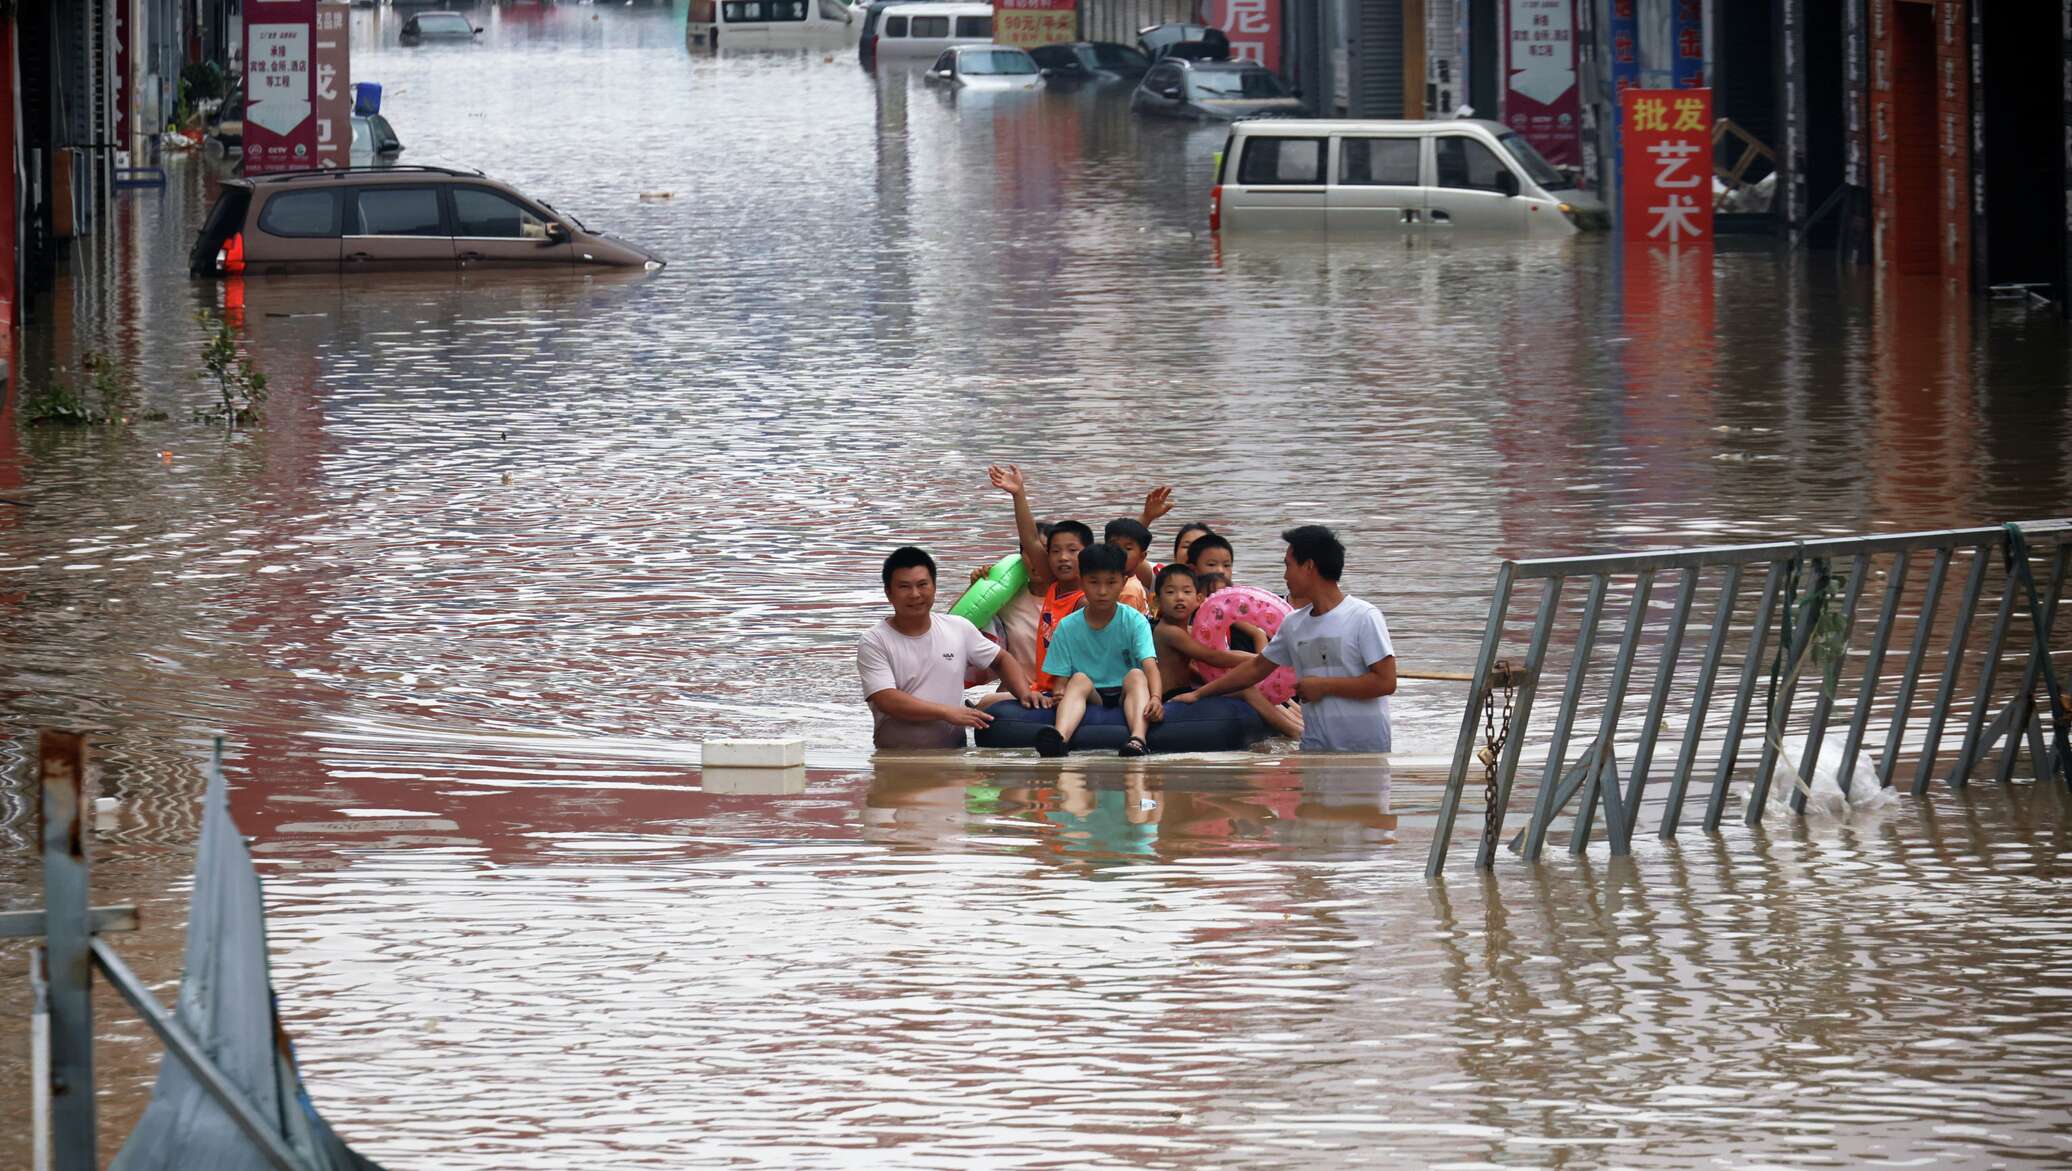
(1103, 651)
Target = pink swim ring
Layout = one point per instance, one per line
(1243, 604)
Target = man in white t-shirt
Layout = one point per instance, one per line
(914, 663)
(1345, 665)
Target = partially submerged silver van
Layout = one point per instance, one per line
(1383, 175)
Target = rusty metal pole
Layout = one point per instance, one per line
(67, 941)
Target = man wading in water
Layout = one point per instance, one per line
(914, 663)
(1345, 666)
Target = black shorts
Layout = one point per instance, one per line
(1110, 696)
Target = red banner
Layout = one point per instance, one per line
(1665, 139)
(1033, 23)
(280, 89)
(333, 88)
(1253, 26)
(1541, 98)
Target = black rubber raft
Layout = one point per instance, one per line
(1220, 723)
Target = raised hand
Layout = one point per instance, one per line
(1008, 478)
(1157, 503)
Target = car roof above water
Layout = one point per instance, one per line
(1310, 128)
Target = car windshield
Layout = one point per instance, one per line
(1120, 57)
(444, 22)
(1229, 84)
(1536, 167)
(995, 61)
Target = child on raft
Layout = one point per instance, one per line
(1211, 553)
(1178, 650)
(1103, 652)
(1133, 537)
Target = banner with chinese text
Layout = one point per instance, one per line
(1541, 98)
(1687, 38)
(334, 85)
(1253, 26)
(280, 121)
(1032, 23)
(1665, 136)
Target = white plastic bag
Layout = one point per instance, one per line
(1824, 797)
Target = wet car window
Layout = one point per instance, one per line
(398, 211)
(478, 211)
(994, 62)
(737, 11)
(1466, 163)
(301, 213)
(895, 26)
(1269, 161)
(931, 26)
(1536, 166)
(974, 26)
(1119, 57)
(1225, 84)
(445, 25)
(1378, 162)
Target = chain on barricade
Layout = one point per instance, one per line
(1494, 735)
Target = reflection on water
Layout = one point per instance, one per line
(506, 550)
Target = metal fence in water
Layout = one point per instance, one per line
(1734, 632)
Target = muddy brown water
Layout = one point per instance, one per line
(506, 549)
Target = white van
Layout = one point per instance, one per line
(924, 30)
(774, 24)
(1393, 176)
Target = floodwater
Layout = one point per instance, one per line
(506, 549)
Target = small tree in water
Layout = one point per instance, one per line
(238, 381)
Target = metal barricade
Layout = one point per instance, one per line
(1809, 600)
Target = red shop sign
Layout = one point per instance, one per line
(1666, 139)
(280, 86)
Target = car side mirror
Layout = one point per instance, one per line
(1170, 93)
(557, 233)
(478, 32)
(1506, 184)
(1046, 71)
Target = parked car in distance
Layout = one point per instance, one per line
(772, 24)
(1159, 39)
(925, 29)
(1214, 91)
(374, 140)
(1091, 61)
(1391, 176)
(226, 125)
(993, 68)
(393, 219)
(437, 26)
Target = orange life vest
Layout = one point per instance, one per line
(1056, 609)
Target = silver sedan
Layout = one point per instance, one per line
(985, 67)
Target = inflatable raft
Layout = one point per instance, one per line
(1220, 723)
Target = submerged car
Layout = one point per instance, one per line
(393, 219)
(374, 140)
(1090, 61)
(438, 26)
(1395, 177)
(1178, 87)
(984, 67)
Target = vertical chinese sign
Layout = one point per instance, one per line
(1253, 26)
(280, 119)
(1032, 23)
(1687, 33)
(1666, 138)
(333, 89)
(1541, 98)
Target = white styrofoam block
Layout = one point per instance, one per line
(753, 753)
(766, 781)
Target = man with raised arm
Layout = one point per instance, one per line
(914, 663)
(1345, 666)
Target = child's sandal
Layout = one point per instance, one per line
(1134, 746)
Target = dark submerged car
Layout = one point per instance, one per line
(437, 26)
(1091, 61)
(1215, 91)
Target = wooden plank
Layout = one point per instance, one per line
(23, 924)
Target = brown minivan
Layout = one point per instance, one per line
(392, 219)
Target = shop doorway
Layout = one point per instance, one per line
(2023, 52)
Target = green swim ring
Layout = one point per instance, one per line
(982, 602)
